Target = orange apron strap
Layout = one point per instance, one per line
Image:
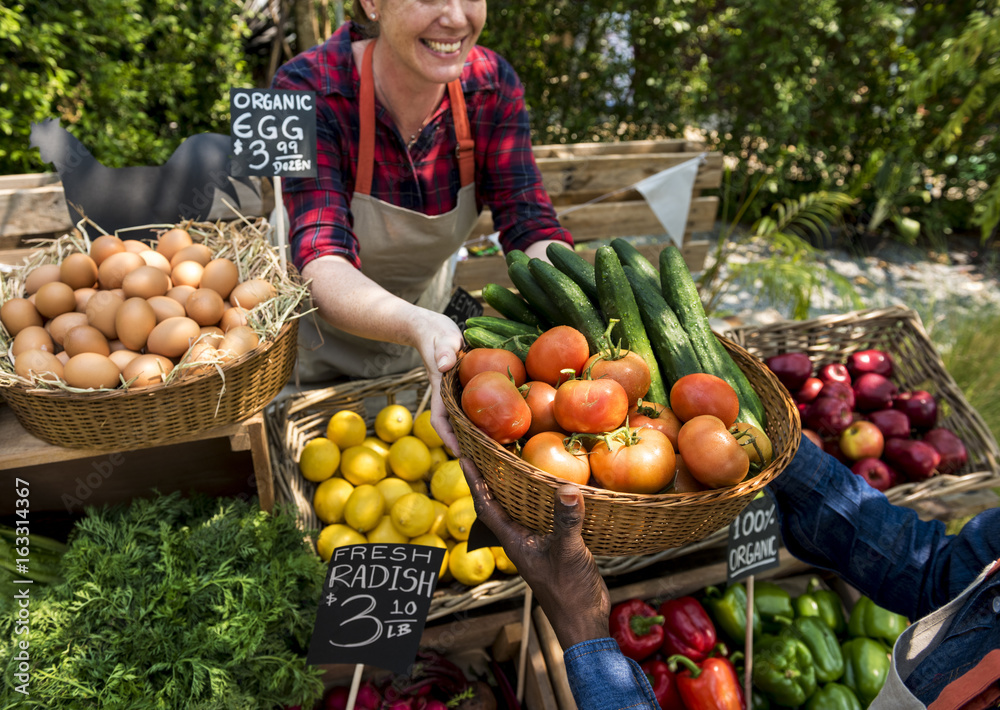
(366, 149)
(466, 155)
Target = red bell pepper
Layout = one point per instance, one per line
(687, 629)
(713, 685)
(664, 683)
(637, 628)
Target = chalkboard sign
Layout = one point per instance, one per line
(754, 540)
(374, 605)
(462, 306)
(273, 132)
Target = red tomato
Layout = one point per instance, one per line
(640, 462)
(557, 349)
(491, 360)
(702, 393)
(496, 406)
(684, 482)
(655, 416)
(590, 406)
(540, 397)
(712, 454)
(629, 370)
(554, 453)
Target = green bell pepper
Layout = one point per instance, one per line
(728, 610)
(872, 621)
(833, 696)
(783, 670)
(774, 605)
(822, 603)
(822, 644)
(866, 666)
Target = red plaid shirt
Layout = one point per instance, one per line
(426, 179)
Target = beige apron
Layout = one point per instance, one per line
(404, 252)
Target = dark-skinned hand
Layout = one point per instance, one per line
(558, 567)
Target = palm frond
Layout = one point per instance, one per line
(809, 214)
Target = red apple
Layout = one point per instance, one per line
(893, 423)
(834, 372)
(879, 475)
(791, 369)
(873, 392)
(840, 390)
(953, 452)
(813, 437)
(809, 390)
(862, 440)
(917, 460)
(920, 406)
(877, 361)
(828, 416)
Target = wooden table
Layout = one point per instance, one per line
(229, 460)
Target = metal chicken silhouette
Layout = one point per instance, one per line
(119, 198)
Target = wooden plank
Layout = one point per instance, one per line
(553, 653)
(538, 692)
(569, 150)
(507, 643)
(21, 182)
(33, 210)
(15, 257)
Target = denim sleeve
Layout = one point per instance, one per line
(834, 520)
(603, 679)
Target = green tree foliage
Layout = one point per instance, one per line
(130, 78)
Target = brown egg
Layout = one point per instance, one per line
(172, 241)
(187, 273)
(250, 293)
(233, 317)
(18, 313)
(38, 364)
(202, 357)
(112, 270)
(116, 345)
(155, 258)
(101, 311)
(173, 337)
(91, 371)
(145, 282)
(104, 246)
(147, 370)
(196, 252)
(55, 298)
(238, 341)
(134, 322)
(34, 337)
(118, 292)
(83, 296)
(136, 246)
(39, 276)
(60, 325)
(204, 306)
(85, 339)
(63, 357)
(122, 357)
(181, 294)
(166, 307)
(220, 275)
(212, 335)
(78, 271)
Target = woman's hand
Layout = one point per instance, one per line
(439, 342)
(558, 567)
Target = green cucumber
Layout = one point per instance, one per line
(617, 301)
(575, 266)
(509, 304)
(483, 338)
(534, 294)
(501, 326)
(674, 351)
(630, 256)
(577, 310)
(681, 293)
(516, 256)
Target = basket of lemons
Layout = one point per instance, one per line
(360, 462)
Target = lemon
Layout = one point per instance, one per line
(386, 533)
(377, 445)
(471, 568)
(502, 561)
(440, 525)
(346, 428)
(392, 422)
(412, 514)
(432, 540)
(333, 536)
(319, 459)
(364, 508)
(438, 457)
(420, 487)
(392, 489)
(461, 513)
(359, 464)
(448, 482)
(409, 458)
(329, 499)
(423, 430)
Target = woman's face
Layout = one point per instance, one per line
(430, 39)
